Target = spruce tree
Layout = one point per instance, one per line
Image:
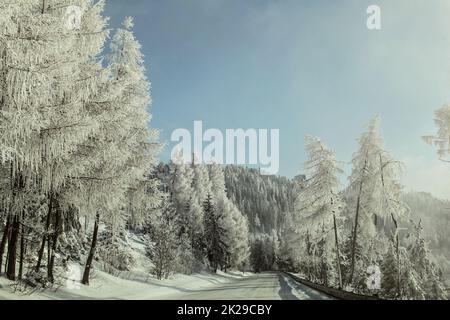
(215, 235)
(319, 208)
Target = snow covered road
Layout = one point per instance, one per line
(264, 286)
(203, 286)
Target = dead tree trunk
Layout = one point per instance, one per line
(90, 258)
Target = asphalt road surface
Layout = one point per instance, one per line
(264, 286)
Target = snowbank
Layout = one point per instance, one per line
(106, 286)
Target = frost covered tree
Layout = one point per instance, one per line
(234, 225)
(264, 200)
(399, 278)
(362, 192)
(185, 204)
(46, 89)
(442, 137)
(123, 153)
(165, 242)
(373, 198)
(201, 187)
(201, 183)
(319, 206)
(289, 254)
(182, 177)
(426, 270)
(71, 123)
(74, 135)
(217, 180)
(215, 235)
(189, 184)
(263, 251)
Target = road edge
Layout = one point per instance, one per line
(332, 292)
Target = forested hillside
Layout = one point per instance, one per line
(435, 216)
(265, 200)
(268, 201)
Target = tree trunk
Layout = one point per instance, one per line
(10, 218)
(44, 6)
(7, 251)
(12, 249)
(399, 293)
(87, 268)
(49, 249)
(4, 240)
(51, 264)
(45, 236)
(397, 252)
(22, 251)
(338, 255)
(397, 243)
(355, 227)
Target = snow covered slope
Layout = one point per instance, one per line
(106, 286)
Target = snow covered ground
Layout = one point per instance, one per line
(203, 286)
(135, 284)
(139, 284)
(106, 286)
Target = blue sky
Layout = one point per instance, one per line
(304, 67)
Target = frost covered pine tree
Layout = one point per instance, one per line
(233, 224)
(122, 153)
(373, 198)
(70, 123)
(442, 137)
(165, 241)
(289, 255)
(264, 251)
(182, 176)
(361, 194)
(319, 206)
(201, 187)
(397, 270)
(215, 235)
(45, 90)
(236, 227)
(74, 133)
(182, 197)
(427, 272)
